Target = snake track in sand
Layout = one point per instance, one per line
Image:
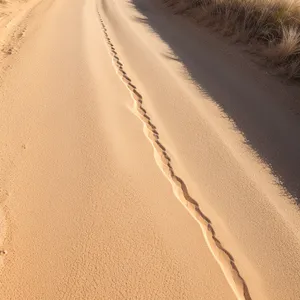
(222, 256)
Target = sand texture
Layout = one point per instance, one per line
(122, 177)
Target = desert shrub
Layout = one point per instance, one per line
(273, 25)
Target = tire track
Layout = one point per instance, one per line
(163, 160)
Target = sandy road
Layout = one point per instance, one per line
(120, 179)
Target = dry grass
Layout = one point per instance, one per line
(272, 26)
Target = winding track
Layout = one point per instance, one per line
(223, 257)
(87, 212)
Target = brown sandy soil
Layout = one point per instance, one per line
(120, 178)
(10, 10)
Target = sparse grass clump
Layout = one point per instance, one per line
(272, 27)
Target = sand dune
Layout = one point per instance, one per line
(120, 178)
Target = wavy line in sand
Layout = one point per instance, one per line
(163, 160)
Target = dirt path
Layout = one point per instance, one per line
(120, 179)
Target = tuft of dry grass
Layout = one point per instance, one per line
(273, 25)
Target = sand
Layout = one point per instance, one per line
(120, 179)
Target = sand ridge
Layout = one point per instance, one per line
(223, 257)
(91, 197)
(91, 214)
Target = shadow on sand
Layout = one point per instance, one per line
(261, 106)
